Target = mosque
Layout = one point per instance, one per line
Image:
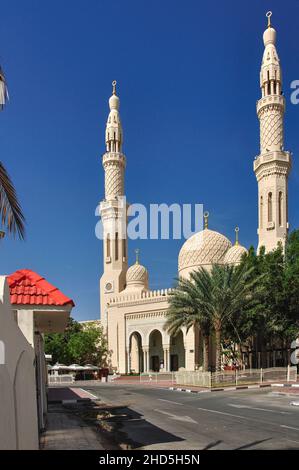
(132, 315)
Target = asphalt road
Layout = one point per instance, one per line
(164, 419)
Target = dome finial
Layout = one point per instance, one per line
(237, 235)
(268, 15)
(137, 251)
(114, 87)
(206, 217)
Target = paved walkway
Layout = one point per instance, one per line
(68, 394)
(65, 431)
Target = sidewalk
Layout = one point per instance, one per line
(65, 394)
(65, 431)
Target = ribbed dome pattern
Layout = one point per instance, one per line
(204, 247)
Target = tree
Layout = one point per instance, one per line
(186, 311)
(88, 346)
(272, 317)
(11, 213)
(210, 300)
(77, 344)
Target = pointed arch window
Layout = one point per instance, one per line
(116, 246)
(124, 248)
(261, 212)
(108, 246)
(270, 208)
(280, 208)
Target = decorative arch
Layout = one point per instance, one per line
(165, 336)
(177, 352)
(156, 352)
(135, 353)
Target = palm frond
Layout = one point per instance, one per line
(11, 213)
(3, 90)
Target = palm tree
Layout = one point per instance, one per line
(210, 300)
(186, 311)
(10, 210)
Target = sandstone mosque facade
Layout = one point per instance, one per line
(132, 315)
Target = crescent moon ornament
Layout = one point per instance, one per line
(268, 15)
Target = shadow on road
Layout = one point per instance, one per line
(126, 427)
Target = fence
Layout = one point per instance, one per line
(60, 379)
(221, 379)
(158, 377)
(238, 377)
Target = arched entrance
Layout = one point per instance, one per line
(136, 356)
(177, 352)
(156, 354)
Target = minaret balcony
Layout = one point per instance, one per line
(272, 156)
(114, 157)
(270, 99)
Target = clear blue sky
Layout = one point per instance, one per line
(188, 79)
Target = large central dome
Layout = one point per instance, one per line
(204, 248)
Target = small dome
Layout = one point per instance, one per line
(234, 254)
(269, 36)
(204, 248)
(137, 277)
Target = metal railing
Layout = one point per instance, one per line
(237, 377)
(60, 379)
(157, 377)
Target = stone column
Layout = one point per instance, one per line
(146, 358)
(128, 361)
(166, 350)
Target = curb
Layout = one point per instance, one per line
(224, 389)
(69, 402)
(285, 385)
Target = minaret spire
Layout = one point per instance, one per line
(206, 219)
(268, 15)
(273, 164)
(237, 236)
(137, 252)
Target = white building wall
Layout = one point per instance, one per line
(18, 406)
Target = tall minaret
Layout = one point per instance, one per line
(113, 210)
(273, 165)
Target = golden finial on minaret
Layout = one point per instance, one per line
(268, 15)
(237, 236)
(206, 217)
(137, 251)
(114, 87)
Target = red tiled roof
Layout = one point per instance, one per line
(29, 288)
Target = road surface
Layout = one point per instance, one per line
(154, 418)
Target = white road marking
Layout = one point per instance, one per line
(289, 427)
(169, 401)
(85, 391)
(186, 419)
(226, 414)
(247, 419)
(258, 409)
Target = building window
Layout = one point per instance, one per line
(108, 249)
(124, 248)
(270, 211)
(116, 246)
(261, 211)
(280, 208)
